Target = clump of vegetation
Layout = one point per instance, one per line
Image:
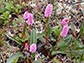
(41, 31)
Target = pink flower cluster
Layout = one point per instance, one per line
(29, 17)
(48, 10)
(65, 21)
(32, 48)
(65, 29)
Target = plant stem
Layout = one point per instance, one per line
(47, 31)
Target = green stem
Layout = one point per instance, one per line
(47, 31)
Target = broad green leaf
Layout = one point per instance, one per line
(13, 57)
(65, 41)
(2, 10)
(13, 38)
(57, 30)
(33, 37)
(10, 6)
(6, 15)
(17, 8)
(53, 52)
(61, 44)
(20, 19)
(68, 39)
(79, 43)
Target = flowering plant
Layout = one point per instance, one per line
(48, 31)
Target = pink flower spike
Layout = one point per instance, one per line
(26, 46)
(25, 15)
(33, 48)
(64, 31)
(65, 21)
(48, 10)
(30, 20)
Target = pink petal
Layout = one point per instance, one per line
(65, 21)
(30, 20)
(48, 10)
(25, 15)
(64, 31)
(33, 48)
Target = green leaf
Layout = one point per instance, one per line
(20, 19)
(2, 10)
(13, 57)
(62, 45)
(82, 30)
(79, 43)
(6, 15)
(15, 60)
(65, 41)
(68, 39)
(10, 6)
(57, 30)
(53, 53)
(13, 38)
(17, 8)
(33, 37)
